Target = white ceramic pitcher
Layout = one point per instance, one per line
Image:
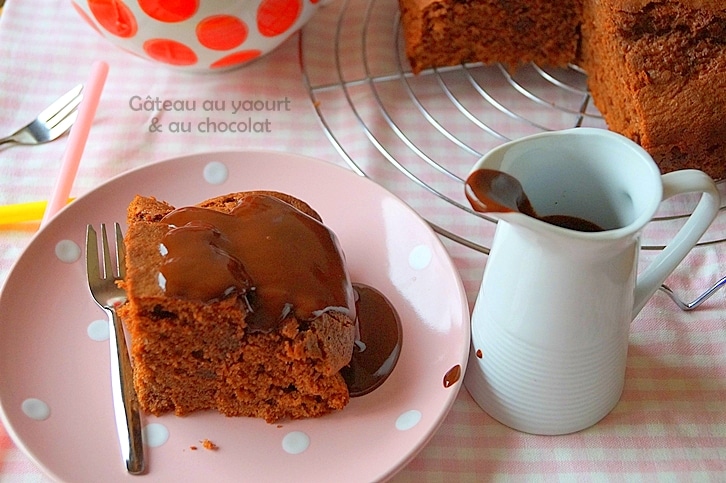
(551, 321)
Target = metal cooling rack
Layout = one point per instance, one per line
(418, 135)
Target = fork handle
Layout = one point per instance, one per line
(125, 402)
(6, 140)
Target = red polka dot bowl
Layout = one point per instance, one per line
(197, 35)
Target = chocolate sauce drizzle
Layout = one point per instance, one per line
(281, 260)
(452, 376)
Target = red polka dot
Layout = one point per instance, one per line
(275, 17)
(221, 32)
(169, 10)
(236, 59)
(114, 16)
(170, 52)
(85, 17)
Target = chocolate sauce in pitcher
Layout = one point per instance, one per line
(492, 191)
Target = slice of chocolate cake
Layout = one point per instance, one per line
(241, 304)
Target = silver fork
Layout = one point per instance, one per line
(52, 121)
(103, 284)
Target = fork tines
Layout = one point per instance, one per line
(115, 271)
(64, 105)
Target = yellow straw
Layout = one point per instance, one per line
(23, 212)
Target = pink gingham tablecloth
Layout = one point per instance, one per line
(670, 424)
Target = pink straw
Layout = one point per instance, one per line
(77, 140)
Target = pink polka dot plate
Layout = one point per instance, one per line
(55, 395)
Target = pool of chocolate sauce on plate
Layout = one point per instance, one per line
(508, 195)
(255, 251)
(376, 350)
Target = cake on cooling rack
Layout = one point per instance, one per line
(450, 32)
(242, 304)
(656, 68)
(657, 72)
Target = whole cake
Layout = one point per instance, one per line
(241, 304)
(656, 68)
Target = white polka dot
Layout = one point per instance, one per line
(98, 330)
(155, 434)
(67, 251)
(295, 442)
(35, 409)
(420, 257)
(216, 173)
(408, 420)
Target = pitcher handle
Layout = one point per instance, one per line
(679, 182)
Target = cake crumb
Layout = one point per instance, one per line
(193, 448)
(209, 445)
